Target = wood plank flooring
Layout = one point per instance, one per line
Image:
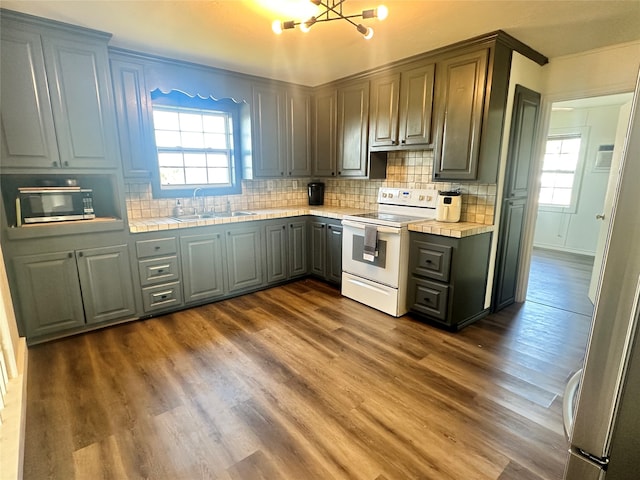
(297, 382)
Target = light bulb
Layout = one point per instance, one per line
(382, 12)
(276, 26)
(367, 32)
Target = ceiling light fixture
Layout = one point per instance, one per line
(333, 11)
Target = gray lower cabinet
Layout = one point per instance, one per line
(448, 278)
(159, 272)
(325, 249)
(202, 266)
(62, 290)
(286, 250)
(244, 257)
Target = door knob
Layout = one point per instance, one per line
(600, 217)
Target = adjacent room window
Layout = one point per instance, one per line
(559, 170)
(196, 141)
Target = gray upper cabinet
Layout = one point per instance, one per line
(202, 266)
(133, 112)
(281, 131)
(353, 121)
(298, 138)
(416, 105)
(460, 94)
(383, 122)
(401, 108)
(324, 132)
(69, 89)
(268, 131)
(28, 134)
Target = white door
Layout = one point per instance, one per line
(605, 216)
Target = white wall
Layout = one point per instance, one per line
(577, 231)
(595, 72)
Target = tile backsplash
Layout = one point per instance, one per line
(407, 169)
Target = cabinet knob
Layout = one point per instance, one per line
(66, 164)
(436, 175)
(55, 164)
(70, 255)
(80, 254)
(404, 141)
(284, 226)
(329, 227)
(600, 217)
(339, 173)
(282, 174)
(333, 174)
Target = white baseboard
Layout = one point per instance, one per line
(12, 430)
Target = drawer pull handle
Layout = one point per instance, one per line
(426, 300)
(428, 261)
(157, 247)
(161, 270)
(162, 295)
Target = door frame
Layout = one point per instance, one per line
(534, 184)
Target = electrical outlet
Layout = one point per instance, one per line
(269, 185)
(295, 184)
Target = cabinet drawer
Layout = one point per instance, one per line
(162, 297)
(158, 270)
(155, 248)
(433, 261)
(429, 298)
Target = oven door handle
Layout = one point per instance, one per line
(380, 228)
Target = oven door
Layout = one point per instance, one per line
(385, 268)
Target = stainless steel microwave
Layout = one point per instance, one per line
(53, 204)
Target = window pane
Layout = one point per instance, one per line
(163, 120)
(547, 180)
(167, 138)
(172, 176)
(214, 123)
(219, 175)
(191, 122)
(215, 140)
(554, 147)
(217, 160)
(195, 160)
(571, 146)
(562, 196)
(192, 140)
(170, 159)
(564, 180)
(546, 196)
(196, 176)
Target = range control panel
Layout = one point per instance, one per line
(426, 198)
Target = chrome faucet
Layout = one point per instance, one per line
(195, 193)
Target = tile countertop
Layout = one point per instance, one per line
(457, 230)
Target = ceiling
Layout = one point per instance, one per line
(237, 35)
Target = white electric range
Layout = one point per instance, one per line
(375, 248)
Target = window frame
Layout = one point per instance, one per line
(176, 99)
(583, 133)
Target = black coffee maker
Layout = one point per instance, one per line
(316, 193)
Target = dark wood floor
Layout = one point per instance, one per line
(297, 382)
(561, 280)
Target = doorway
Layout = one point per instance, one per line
(577, 170)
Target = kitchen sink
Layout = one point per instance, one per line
(202, 216)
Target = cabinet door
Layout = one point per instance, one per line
(318, 248)
(48, 292)
(134, 118)
(27, 132)
(324, 137)
(353, 121)
(383, 122)
(268, 131)
(297, 253)
(298, 134)
(334, 253)
(244, 261)
(509, 253)
(461, 88)
(276, 252)
(416, 105)
(107, 286)
(202, 267)
(80, 88)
